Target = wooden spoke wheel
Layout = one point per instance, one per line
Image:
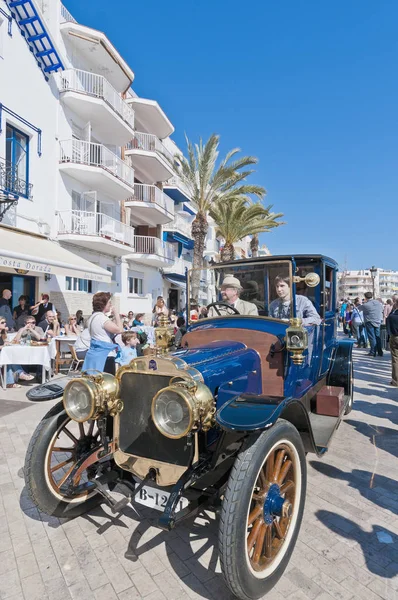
(71, 441)
(262, 511)
(56, 445)
(271, 509)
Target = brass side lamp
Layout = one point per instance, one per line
(296, 341)
(164, 335)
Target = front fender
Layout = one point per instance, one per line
(249, 412)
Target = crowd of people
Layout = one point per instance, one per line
(365, 320)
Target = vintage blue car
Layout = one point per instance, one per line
(224, 421)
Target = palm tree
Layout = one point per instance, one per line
(208, 183)
(236, 219)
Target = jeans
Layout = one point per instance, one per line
(12, 371)
(374, 339)
(360, 334)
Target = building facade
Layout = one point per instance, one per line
(89, 199)
(354, 284)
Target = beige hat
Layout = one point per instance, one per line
(231, 281)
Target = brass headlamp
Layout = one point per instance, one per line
(181, 407)
(91, 395)
(296, 341)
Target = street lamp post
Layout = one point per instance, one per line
(373, 273)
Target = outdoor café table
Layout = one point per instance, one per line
(18, 354)
(62, 343)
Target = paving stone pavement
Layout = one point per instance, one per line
(347, 547)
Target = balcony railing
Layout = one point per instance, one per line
(179, 224)
(66, 16)
(177, 182)
(80, 222)
(152, 194)
(149, 143)
(153, 245)
(11, 183)
(95, 155)
(84, 82)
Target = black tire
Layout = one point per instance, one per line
(35, 470)
(236, 563)
(350, 396)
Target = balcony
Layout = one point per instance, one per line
(95, 231)
(151, 251)
(180, 225)
(150, 158)
(93, 98)
(11, 185)
(179, 266)
(95, 51)
(177, 190)
(151, 117)
(150, 206)
(97, 167)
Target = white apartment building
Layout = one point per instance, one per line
(353, 284)
(88, 199)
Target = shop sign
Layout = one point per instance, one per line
(25, 265)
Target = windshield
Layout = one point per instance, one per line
(251, 289)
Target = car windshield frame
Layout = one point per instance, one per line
(233, 269)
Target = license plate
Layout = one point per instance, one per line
(157, 499)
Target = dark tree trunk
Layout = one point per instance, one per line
(199, 233)
(227, 252)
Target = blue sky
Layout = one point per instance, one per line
(310, 88)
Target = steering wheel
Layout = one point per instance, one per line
(215, 304)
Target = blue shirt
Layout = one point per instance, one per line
(126, 355)
(304, 308)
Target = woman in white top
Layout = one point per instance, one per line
(102, 352)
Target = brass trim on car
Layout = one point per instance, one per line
(174, 366)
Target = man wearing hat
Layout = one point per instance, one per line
(230, 292)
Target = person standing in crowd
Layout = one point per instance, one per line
(5, 310)
(343, 308)
(102, 352)
(159, 309)
(358, 324)
(41, 307)
(347, 319)
(50, 324)
(392, 327)
(13, 372)
(387, 309)
(372, 312)
(20, 312)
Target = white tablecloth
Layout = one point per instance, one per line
(25, 355)
(64, 345)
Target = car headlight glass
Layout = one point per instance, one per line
(172, 412)
(79, 400)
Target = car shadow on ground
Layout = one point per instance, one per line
(382, 411)
(376, 488)
(190, 549)
(377, 546)
(383, 438)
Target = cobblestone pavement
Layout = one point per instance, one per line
(347, 548)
